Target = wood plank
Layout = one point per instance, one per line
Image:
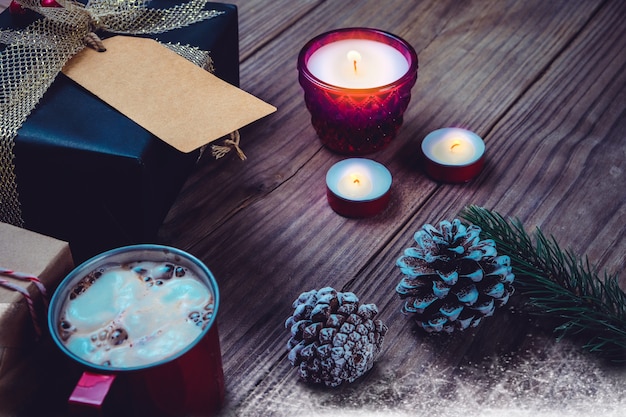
(267, 236)
(563, 150)
(261, 21)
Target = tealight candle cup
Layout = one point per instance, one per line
(358, 187)
(453, 155)
(360, 117)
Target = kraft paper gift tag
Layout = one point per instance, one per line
(172, 98)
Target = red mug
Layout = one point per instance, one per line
(188, 382)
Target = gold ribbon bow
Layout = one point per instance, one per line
(34, 57)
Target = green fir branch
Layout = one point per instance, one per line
(559, 284)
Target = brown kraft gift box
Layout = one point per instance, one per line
(22, 353)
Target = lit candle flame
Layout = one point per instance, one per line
(456, 143)
(354, 57)
(355, 185)
(356, 180)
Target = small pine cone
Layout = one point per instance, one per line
(452, 278)
(333, 337)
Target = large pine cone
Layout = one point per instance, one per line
(333, 338)
(453, 279)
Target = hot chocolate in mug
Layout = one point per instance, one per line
(140, 322)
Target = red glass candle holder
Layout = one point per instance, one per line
(357, 121)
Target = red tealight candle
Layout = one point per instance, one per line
(357, 84)
(453, 155)
(358, 187)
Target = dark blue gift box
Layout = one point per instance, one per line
(87, 174)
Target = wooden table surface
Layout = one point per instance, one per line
(543, 82)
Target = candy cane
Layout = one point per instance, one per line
(29, 300)
(27, 277)
(31, 307)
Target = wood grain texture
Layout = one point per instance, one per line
(262, 21)
(540, 81)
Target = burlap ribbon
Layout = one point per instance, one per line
(35, 56)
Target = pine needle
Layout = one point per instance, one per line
(559, 284)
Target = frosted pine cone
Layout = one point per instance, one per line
(333, 337)
(452, 278)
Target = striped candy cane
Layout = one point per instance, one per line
(29, 300)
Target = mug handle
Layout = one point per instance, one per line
(90, 391)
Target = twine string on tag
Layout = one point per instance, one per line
(219, 151)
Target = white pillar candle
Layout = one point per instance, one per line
(357, 63)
